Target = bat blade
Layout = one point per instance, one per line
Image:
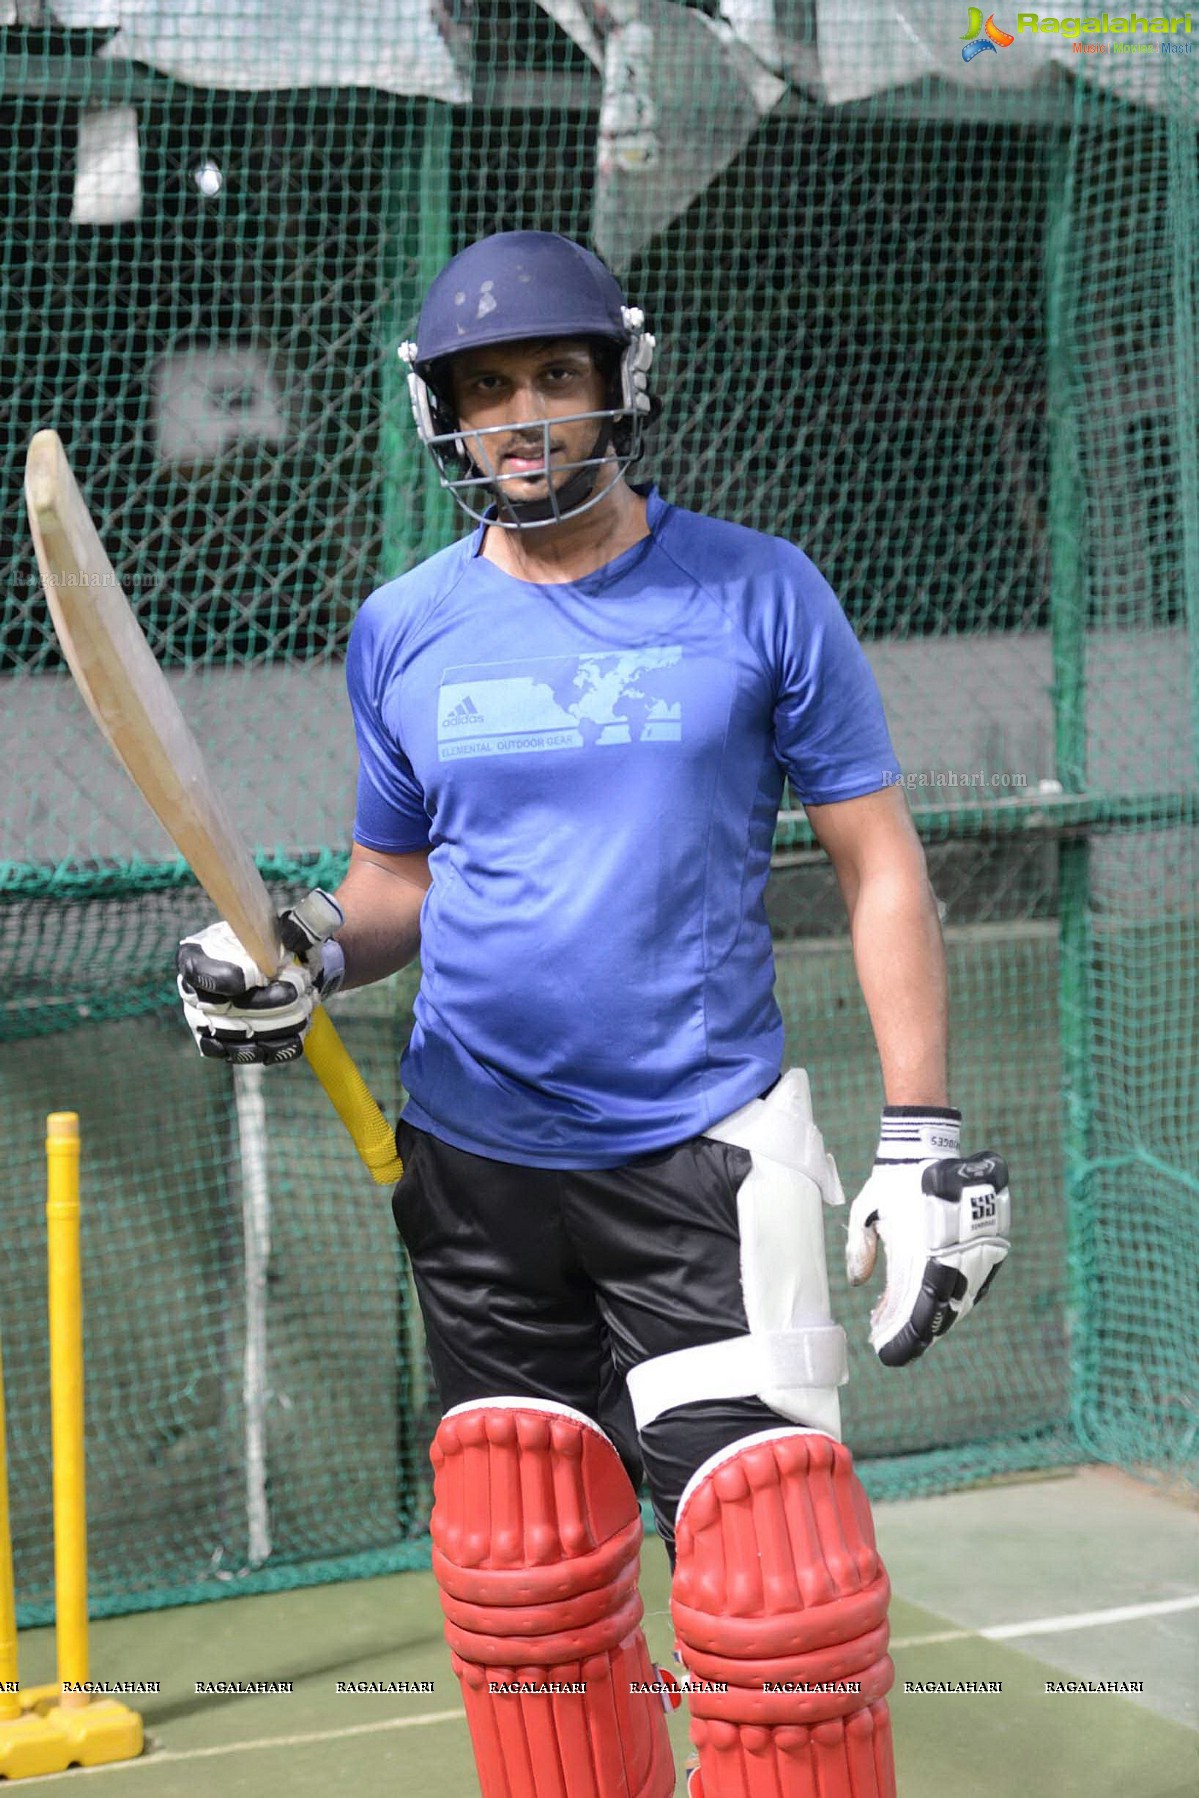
(131, 701)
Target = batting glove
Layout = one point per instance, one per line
(235, 1011)
(943, 1222)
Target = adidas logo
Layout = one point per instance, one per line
(465, 712)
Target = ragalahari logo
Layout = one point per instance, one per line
(992, 38)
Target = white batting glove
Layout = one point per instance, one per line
(235, 1011)
(943, 1222)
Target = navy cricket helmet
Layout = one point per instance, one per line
(520, 286)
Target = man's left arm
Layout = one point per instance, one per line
(944, 1222)
(896, 935)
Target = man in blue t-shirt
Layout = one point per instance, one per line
(574, 727)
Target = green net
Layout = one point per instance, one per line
(931, 316)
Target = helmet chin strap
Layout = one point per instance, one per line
(569, 497)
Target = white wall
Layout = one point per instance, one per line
(280, 742)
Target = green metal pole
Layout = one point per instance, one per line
(418, 515)
(399, 450)
(1182, 97)
(440, 517)
(1068, 631)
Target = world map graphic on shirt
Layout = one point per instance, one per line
(561, 702)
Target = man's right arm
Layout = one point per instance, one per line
(381, 897)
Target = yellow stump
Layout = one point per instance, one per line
(28, 1744)
(66, 1404)
(10, 1704)
(62, 1726)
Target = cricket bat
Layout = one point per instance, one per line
(128, 696)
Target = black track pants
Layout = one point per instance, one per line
(552, 1284)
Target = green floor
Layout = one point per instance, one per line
(1042, 1551)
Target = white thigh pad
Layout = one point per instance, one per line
(794, 1356)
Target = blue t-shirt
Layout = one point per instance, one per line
(597, 766)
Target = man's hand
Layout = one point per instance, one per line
(943, 1222)
(235, 1012)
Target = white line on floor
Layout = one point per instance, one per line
(998, 1632)
(173, 1757)
(1051, 1626)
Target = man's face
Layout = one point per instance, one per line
(515, 387)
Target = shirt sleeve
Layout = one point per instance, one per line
(830, 729)
(390, 812)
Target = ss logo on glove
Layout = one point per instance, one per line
(945, 1226)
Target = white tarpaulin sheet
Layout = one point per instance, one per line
(108, 169)
(682, 96)
(682, 91)
(869, 46)
(401, 46)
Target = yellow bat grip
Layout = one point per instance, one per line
(352, 1099)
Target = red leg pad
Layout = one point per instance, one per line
(779, 1591)
(536, 1539)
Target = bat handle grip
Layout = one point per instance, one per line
(352, 1099)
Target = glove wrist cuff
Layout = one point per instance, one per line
(333, 967)
(919, 1133)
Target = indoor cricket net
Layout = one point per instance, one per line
(935, 320)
